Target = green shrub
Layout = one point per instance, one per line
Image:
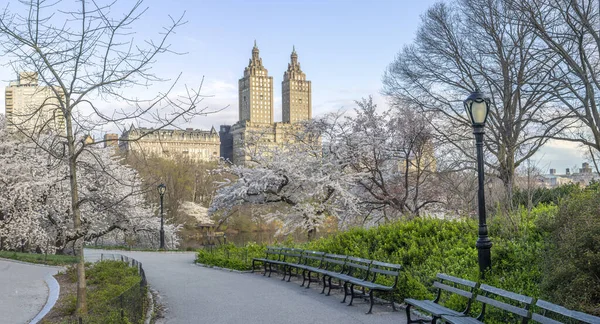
(572, 265)
(427, 246)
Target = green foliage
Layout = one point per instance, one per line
(230, 256)
(543, 195)
(48, 259)
(521, 242)
(572, 266)
(106, 281)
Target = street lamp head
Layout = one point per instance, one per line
(161, 189)
(477, 108)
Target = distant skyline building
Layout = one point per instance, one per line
(256, 91)
(30, 107)
(256, 125)
(111, 139)
(194, 144)
(295, 92)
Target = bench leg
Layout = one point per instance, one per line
(270, 269)
(371, 299)
(309, 279)
(345, 292)
(265, 266)
(303, 277)
(253, 266)
(284, 272)
(324, 285)
(351, 294)
(329, 291)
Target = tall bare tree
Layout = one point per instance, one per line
(86, 52)
(570, 29)
(469, 44)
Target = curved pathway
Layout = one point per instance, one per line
(193, 294)
(23, 290)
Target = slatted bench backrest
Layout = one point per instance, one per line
(273, 253)
(313, 258)
(358, 267)
(515, 303)
(385, 270)
(454, 285)
(551, 311)
(334, 262)
(291, 255)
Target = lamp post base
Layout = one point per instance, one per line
(162, 239)
(484, 246)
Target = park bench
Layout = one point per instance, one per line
(446, 286)
(513, 305)
(550, 313)
(333, 265)
(272, 254)
(311, 262)
(375, 271)
(291, 259)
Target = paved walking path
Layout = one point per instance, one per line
(23, 290)
(193, 294)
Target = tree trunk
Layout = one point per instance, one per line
(311, 234)
(78, 247)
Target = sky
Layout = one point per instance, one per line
(343, 47)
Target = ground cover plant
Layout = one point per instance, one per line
(48, 259)
(112, 285)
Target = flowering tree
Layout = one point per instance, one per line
(307, 185)
(393, 150)
(35, 200)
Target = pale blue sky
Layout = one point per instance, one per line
(343, 47)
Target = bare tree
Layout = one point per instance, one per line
(571, 30)
(470, 44)
(85, 52)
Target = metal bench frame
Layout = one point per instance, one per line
(487, 298)
(446, 285)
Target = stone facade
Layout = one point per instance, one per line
(32, 108)
(111, 139)
(194, 144)
(255, 127)
(295, 93)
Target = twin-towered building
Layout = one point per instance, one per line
(256, 112)
(256, 126)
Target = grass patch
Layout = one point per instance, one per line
(48, 259)
(112, 286)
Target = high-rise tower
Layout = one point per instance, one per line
(256, 92)
(296, 93)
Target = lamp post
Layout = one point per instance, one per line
(478, 108)
(161, 191)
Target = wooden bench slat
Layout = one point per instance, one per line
(553, 307)
(388, 265)
(586, 318)
(508, 294)
(543, 319)
(455, 290)
(504, 306)
(336, 256)
(460, 281)
(385, 272)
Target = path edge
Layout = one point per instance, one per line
(53, 293)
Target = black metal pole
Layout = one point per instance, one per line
(483, 244)
(162, 221)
